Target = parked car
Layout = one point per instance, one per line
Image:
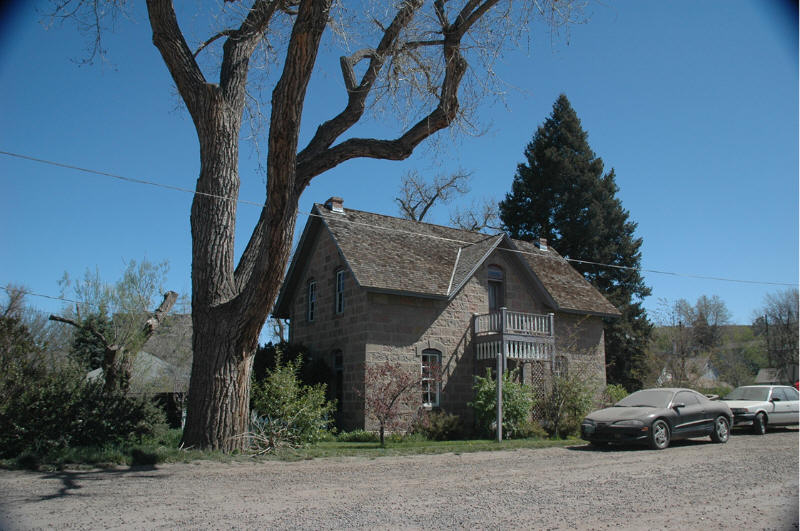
(760, 406)
(658, 416)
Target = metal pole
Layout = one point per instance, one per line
(499, 397)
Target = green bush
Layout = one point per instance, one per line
(564, 405)
(530, 429)
(517, 404)
(438, 425)
(358, 436)
(287, 413)
(613, 394)
(719, 391)
(59, 409)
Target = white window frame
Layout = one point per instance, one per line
(339, 298)
(431, 387)
(311, 300)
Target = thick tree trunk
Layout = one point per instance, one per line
(219, 392)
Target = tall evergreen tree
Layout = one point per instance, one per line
(561, 193)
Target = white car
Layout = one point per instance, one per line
(760, 406)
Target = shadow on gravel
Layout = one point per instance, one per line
(71, 479)
(637, 447)
(747, 431)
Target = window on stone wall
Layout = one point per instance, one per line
(431, 366)
(496, 289)
(311, 300)
(339, 298)
(560, 366)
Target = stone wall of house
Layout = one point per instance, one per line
(400, 328)
(581, 339)
(378, 327)
(330, 332)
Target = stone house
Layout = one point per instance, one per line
(365, 288)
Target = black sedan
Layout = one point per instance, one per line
(657, 416)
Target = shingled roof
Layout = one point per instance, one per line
(393, 255)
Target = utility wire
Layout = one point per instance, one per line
(387, 229)
(34, 294)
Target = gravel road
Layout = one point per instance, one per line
(749, 483)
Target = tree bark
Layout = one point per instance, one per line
(219, 394)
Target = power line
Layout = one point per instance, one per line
(34, 294)
(387, 229)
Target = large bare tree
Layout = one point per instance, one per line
(414, 50)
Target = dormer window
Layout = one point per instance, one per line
(339, 298)
(496, 289)
(311, 300)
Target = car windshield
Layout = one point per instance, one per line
(646, 398)
(758, 394)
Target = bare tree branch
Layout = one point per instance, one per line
(224, 33)
(417, 196)
(479, 216)
(329, 131)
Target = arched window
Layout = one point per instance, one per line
(311, 300)
(431, 368)
(496, 289)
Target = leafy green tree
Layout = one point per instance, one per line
(86, 348)
(127, 300)
(288, 413)
(567, 400)
(517, 404)
(311, 371)
(739, 356)
(561, 193)
(777, 325)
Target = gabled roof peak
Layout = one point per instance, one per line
(396, 255)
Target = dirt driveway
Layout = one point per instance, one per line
(749, 483)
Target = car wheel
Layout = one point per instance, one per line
(760, 424)
(659, 435)
(721, 430)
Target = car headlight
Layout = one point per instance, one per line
(738, 410)
(629, 423)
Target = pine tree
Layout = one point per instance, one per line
(561, 193)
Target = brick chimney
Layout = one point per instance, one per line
(335, 204)
(543, 244)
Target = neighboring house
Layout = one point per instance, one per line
(365, 288)
(698, 372)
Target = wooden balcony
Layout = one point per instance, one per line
(520, 336)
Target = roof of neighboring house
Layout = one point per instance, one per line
(768, 376)
(400, 256)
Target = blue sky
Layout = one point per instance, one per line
(694, 104)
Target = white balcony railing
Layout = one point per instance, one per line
(518, 335)
(515, 323)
